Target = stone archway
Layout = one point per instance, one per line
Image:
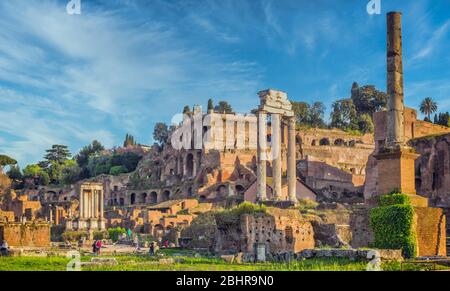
(339, 142)
(153, 198)
(133, 198)
(143, 198)
(165, 196)
(324, 141)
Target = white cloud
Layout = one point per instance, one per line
(433, 42)
(71, 79)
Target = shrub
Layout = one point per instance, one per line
(115, 233)
(117, 170)
(304, 204)
(100, 235)
(392, 224)
(233, 216)
(394, 199)
(73, 235)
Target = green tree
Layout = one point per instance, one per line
(161, 133)
(210, 105)
(117, 170)
(316, 114)
(15, 173)
(442, 119)
(55, 172)
(368, 99)
(129, 141)
(344, 115)
(301, 110)
(70, 173)
(32, 171)
(129, 160)
(44, 179)
(223, 107)
(82, 157)
(365, 124)
(428, 107)
(58, 153)
(6, 161)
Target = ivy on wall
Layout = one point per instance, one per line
(392, 224)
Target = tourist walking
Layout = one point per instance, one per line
(151, 251)
(99, 247)
(4, 249)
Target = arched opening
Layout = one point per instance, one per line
(133, 198)
(153, 198)
(324, 142)
(202, 199)
(339, 142)
(221, 190)
(314, 143)
(143, 198)
(240, 189)
(165, 196)
(190, 165)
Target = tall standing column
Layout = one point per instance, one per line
(101, 203)
(86, 207)
(89, 204)
(395, 115)
(81, 206)
(95, 214)
(292, 161)
(262, 156)
(276, 155)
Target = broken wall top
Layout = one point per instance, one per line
(275, 102)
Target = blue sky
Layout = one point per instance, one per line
(123, 65)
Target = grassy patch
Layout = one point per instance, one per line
(186, 263)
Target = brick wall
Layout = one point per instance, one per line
(25, 235)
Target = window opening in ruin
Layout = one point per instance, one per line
(289, 235)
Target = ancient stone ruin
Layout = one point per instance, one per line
(315, 187)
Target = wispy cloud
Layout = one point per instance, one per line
(71, 79)
(433, 42)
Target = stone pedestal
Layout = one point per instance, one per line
(396, 171)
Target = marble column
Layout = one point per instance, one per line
(395, 105)
(89, 204)
(185, 165)
(292, 161)
(51, 214)
(101, 203)
(276, 156)
(95, 214)
(85, 204)
(194, 165)
(81, 205)
(261, 156)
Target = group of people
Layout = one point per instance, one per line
(96, 247)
